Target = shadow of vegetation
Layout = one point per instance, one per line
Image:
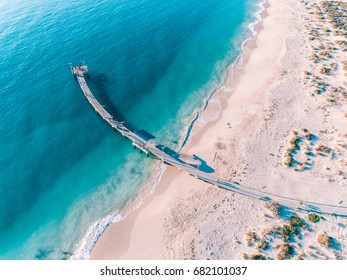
(286, 213)
(335, 244)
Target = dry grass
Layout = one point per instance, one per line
(286, 251)
(344, 65)
(336, 12)
(342, 45)
(330, 100)
(263, 245)
(274, 207)
(220, 146)
(268, 230)
(288, 161)
(324, 240)
(308, 135)
(251, 237)
(325, 70)
(321, 149)
(294, 142)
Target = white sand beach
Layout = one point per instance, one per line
(281, 128)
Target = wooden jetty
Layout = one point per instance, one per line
(146, 143)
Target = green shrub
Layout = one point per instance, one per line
(257, 257)
(291, 228)
(286, 232)
(313, 217)
(296, 222)
(263, 245)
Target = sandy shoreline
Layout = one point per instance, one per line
(260, 107)
(169, 184)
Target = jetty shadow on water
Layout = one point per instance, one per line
(98, 83)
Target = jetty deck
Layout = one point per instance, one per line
(149, 147)
(166, 155)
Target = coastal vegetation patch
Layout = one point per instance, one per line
(285, 251)
(274, 207)
(298, 154)
(292, 228)
(263, 245)
(257, 257)
(314, 218)
(336, 12)
(251, 238)
(324, 240)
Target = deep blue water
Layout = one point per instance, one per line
(151, 62)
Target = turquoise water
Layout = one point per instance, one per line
(151, 63)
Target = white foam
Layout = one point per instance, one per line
(86, 245)
(199, 112)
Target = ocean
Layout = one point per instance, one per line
(64, 173)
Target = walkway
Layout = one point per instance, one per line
(150, 147)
